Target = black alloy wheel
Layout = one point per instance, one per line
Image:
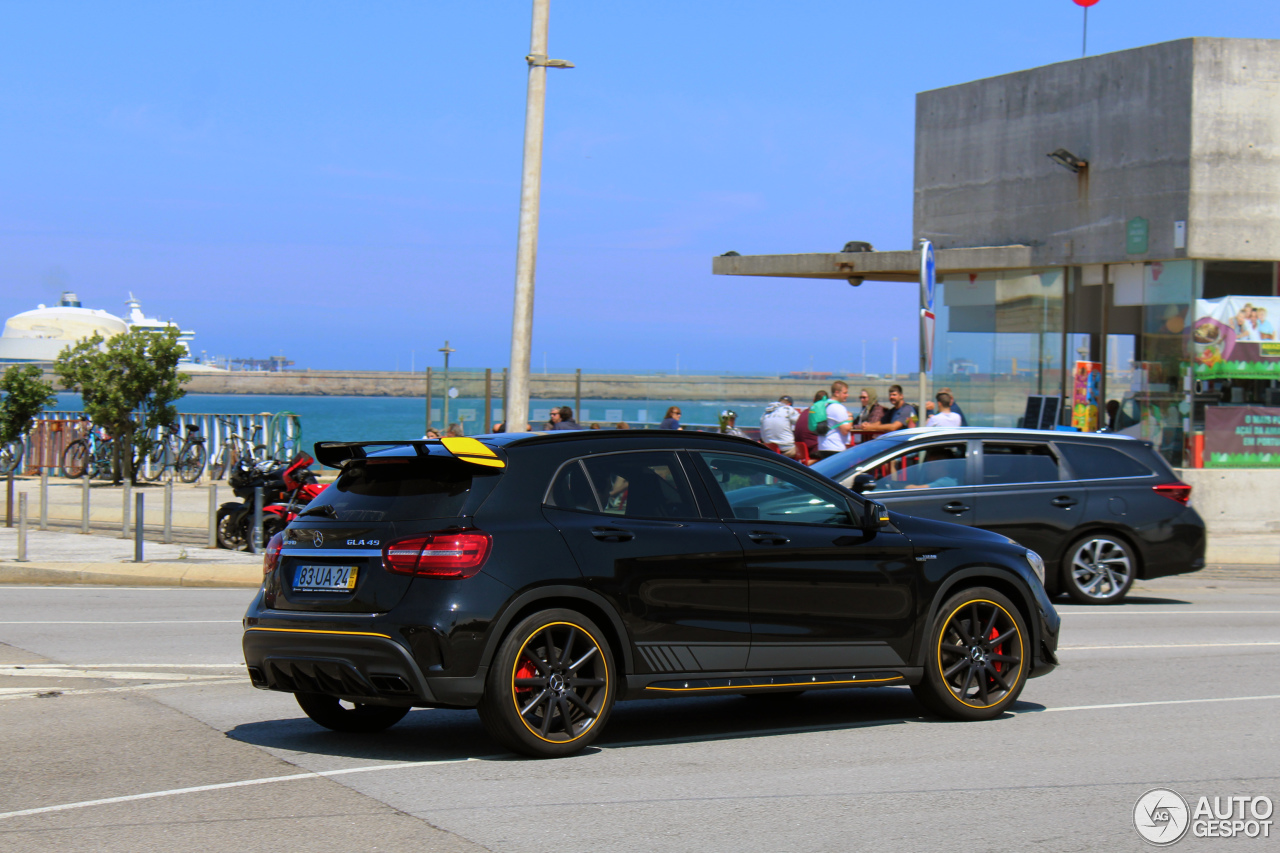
(340, 716)
(978, 656)
(550, 687)
(1098, 569)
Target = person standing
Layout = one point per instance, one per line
(871, 412)
(955, 407)
(839, 422)
(803, 434)
(672, 420)
(778, 426)
(565, 419)
(944, 416)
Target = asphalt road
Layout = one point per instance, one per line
(138, 697)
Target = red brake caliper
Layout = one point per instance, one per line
(999, 665)
(526, 670)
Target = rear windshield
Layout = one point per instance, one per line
(436, 487)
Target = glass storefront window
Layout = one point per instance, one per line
(999, 340)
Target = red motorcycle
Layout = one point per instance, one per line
(285, 491)
(301, 487)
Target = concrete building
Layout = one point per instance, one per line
(1107, 230)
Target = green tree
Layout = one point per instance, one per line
(131, 382)
(25, 396)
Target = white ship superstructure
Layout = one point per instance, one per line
(40, 335)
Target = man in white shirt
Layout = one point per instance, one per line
(944, 417)
(778, 426)
(839, 422)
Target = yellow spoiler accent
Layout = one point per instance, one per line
(470, 450)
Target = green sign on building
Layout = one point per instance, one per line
(1136, 236)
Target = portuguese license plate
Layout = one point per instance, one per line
(325, 579)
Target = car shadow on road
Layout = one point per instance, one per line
(1141, 600)
(443, 735)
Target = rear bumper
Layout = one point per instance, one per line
(1180, 549)
(357, 666)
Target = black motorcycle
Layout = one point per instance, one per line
(235, 519)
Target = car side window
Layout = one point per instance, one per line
(937, 466)
(572, 489)
(643, 484)
(1094, 462)
(1018, 463)
(757, 489)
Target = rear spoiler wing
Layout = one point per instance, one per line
(335, 454)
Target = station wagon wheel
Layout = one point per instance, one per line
(1099, 569)
(332, 713)
(550, 688)
(978, 652)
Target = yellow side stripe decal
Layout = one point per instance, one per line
(796, 684)
(315, 631)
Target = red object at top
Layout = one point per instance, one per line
(1085, 3)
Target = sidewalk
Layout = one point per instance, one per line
(73, 558)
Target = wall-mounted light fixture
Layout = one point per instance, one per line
(1067, 160)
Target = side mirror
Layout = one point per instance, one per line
(877, 517)
(863, 483)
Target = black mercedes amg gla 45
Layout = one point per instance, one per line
(540, 577)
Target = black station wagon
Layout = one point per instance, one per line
(540, 577)
(1100, 509)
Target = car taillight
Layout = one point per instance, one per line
(450, 554)
(271, 558)
(1177, 491)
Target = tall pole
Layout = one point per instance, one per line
(446, 349)
(517, 413)
(424, 432)
(1084, 42)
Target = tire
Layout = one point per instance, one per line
(233, 529)
(74, 459)
(271, 525)
(11, 456)
(1098, 569)
(551, 685)
(191, 463)
(967, 672)
(155, 466)
(329, 712)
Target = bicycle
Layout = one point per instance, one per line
(186, 457)
(94, 454)
(237, 446)
(11, 456)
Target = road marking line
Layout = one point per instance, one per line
(34, 692)
(108, 675)
(157, 622)
(1164, 702)
(1166, 646)
(244, 784)
(1095, 611)
(134, 665)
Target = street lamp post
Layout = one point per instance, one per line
(517, 413)
(446, 349)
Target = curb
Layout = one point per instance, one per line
(133, 574)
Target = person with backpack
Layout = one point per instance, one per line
(836, 420)
(804, 435)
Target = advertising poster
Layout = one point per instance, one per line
(1085, 397)
(1235, 338)
(1241, 437)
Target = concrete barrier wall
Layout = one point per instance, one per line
(1235, 500)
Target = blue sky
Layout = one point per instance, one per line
(340, 181)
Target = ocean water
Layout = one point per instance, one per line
(376, 418)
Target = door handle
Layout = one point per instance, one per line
(612, 534)
(955, 507)
(767, 538)
(1064, 501)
